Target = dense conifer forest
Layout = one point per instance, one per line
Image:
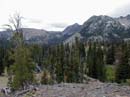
(108, 62)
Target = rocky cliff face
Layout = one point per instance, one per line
(125, 21)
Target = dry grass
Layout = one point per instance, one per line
(3, 81)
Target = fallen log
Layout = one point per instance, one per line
(23, 92)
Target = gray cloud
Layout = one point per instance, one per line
(30, 20)
(121, 11)
(58, 25)
(36, 21)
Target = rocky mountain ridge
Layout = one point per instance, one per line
(96, 28)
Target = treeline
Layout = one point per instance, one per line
(64, 62)
(73, 63)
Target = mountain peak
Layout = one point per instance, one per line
(100, 17)
(75, 24)
(128, 16)
(72, 29)
(124, 20)
(101, 26)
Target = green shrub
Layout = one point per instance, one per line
(46, 78)
(110, 73)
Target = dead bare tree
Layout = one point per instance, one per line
(15, 22)
(15, 26)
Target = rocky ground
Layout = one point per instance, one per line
(91, 89)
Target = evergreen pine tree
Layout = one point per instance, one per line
(100, 64)
(22, 69)
(123, 68)
(91, 60)
(95, 61)
(110, 54)
(1, 60)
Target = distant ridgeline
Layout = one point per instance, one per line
(96, 28)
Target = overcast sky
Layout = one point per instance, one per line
(57, 14)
